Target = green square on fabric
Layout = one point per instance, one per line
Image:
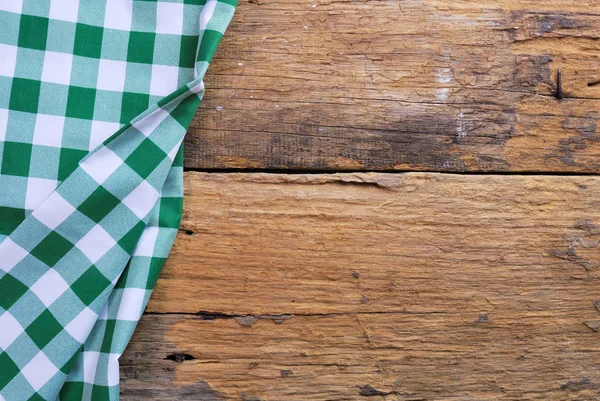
(156, 266)
(145, 158)
(100, 393)
(132, 105)
(130, 240)
(187, 54)
(52, 248)
(10, 218)
(33, 32)
(8, 371)
(109, 332)
(24, 95)
(72, 391)
(11, 290)
(36, 397)
(184, 112)
(122, 283)
(88, 41)
(91, 284)
(69, 159)
(141, 47)
(98, 204)
(232, 3)
(178, 162)
(16, 159)
(208, 45)
(43, 329)
(80, 103)
(170, 212)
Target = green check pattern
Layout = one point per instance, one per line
(95, 99)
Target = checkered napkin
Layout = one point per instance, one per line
(95, 99)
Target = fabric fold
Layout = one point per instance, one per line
(77, 270)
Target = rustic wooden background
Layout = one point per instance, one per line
(385, 200)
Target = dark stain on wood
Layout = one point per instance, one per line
(577, 385)
(368, 391)
(179, 357)
(352, 100)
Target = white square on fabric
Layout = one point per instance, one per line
(49, 287)
(101, 164)
(39, 371)
(3, 123)
(90, 363)
(113, 369)
(53, 211)
(14, 6)
(207, 12)
(164, 80)
(111, 75)
(131, 304)
(11, 330)
(145, 245)
(142, 199)
(57, 68)
(95, 243)
(103, 313)
(38, 189)
(118, 14)
(8, 59)
(64, 10)
(48, 130)
(80, 327)
(11, 254)
(148, 124)
(169, 18)
(101, 131)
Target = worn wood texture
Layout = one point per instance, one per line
(411, 286)
(442, 85)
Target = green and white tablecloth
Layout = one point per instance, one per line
(95, 99)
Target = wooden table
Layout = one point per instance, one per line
(385, 200)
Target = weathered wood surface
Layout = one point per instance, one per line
(442, 85)
(409, 286)
(387, 286)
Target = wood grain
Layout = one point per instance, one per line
(412, 286)
(437, 85)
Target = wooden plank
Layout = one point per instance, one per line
(353, 286)
(544, 355)
(442, 85)
(414, 242)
